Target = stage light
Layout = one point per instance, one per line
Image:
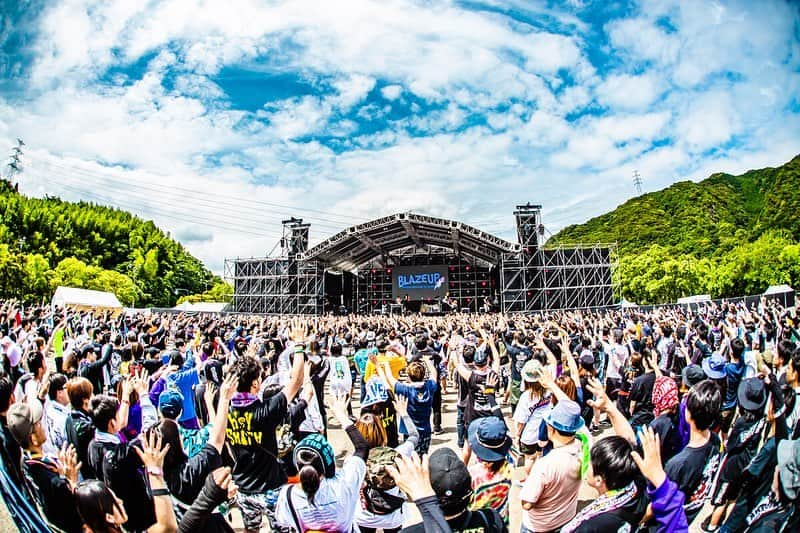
(373, 270)
(483, 283)
(374, 286)
(467, 267)
(388, 270)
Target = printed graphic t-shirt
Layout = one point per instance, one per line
(251, 434)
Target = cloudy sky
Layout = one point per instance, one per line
(218, 119)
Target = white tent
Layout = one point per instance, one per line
(85, 299)
(625, 304)
(696, 299)
(202, 307)
(778, 289)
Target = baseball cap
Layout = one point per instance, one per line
(752, 394)
(22, 418)
(692, 375)
(488, 438)
(532, 371)
(714, 366)
(170, 403)
(450, 478)
(212, 371)
(789, 467)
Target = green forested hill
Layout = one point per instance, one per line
(726, 235)
(49, 242)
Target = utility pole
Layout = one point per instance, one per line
(637, 181)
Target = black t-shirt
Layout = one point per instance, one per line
(693, 470)
(518, 357)
(642, 394)
(388, 416)
(54, 495)
(481, 521)
(186, 479)
(477, 403)
(666, 425)
(251, 434)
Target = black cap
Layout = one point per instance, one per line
(481, 357)
(450, 478)
(692, 374)
(752, 394)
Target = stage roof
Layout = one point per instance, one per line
(378, 239)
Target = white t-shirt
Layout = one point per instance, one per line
(335, 502)
(531, 411)
(617, 353)
(339, 378)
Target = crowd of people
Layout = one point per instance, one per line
(155, 422)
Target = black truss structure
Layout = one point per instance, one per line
(527, 276)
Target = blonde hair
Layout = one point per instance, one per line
(373, 431)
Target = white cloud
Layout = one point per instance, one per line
(512, 111)
(392, 92)
(629, 93)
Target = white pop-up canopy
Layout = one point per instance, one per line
(86, 299)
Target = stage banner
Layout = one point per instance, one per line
(419, 282)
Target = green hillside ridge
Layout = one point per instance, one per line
(726, 235)
(46, 242)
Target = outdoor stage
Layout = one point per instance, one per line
(416, 263)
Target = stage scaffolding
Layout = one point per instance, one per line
(532, 277)
(276, 286)
(576, 277)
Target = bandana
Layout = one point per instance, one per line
(665, 395)
(610, 501)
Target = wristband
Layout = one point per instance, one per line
(488, 390)
(159, 492)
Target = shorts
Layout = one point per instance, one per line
(726, 419)
(254, 506)
(528, 449)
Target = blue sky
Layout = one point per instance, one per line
(219, 119)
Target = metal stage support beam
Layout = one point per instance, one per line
(276, 286)
(531, 277)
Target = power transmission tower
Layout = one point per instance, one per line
(637, 181)
(15, 161)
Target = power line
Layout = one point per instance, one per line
(349, 218)
(211, 207)
(191, 194)
(172, 215)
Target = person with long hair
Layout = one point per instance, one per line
(185, 476)
(368, 517)
(103, 512)
(326, 499)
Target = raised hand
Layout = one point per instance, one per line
(412, 476)
(228, 389)
(401, 405)
(152, 454)
(298, 330)
(601, 401)
(650, 464)
(223, 479)
(68, 464)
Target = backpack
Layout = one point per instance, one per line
(374, 493)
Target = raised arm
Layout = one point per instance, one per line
(226, 393)
(602, 403)
(297, 334)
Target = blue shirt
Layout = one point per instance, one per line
(734, 372)
(420, 402)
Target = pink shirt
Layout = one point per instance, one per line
(552, 487)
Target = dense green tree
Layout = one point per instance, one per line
(99, 238)
(725, 236)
